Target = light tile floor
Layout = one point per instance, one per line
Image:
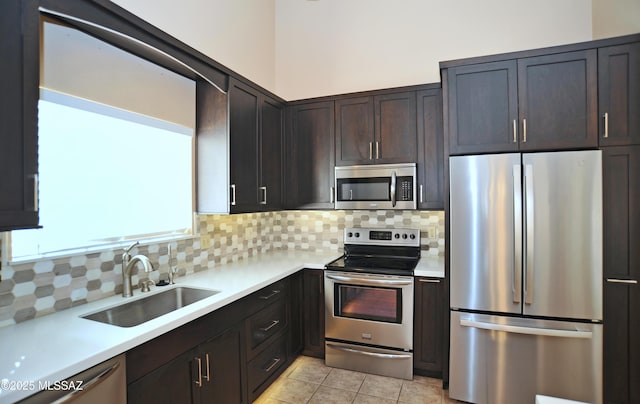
(308, 380)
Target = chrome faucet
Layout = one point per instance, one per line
(128, 263)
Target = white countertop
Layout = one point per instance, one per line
(57, 346)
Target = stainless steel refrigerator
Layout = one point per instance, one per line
(526, 277)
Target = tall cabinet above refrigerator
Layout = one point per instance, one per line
(526, 276)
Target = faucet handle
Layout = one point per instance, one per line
(145, 285)
(128, 249)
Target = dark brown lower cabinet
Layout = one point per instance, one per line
(209, 373)
(621, 207)
(428, 326)
(313, 312)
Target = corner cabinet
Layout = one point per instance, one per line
(530, 103)
(255, 149)
(621, 207)
(619, 94)
(310, 156)
(376, 129)
(19, 78)
(428, 326)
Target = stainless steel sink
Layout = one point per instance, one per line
(139, 311)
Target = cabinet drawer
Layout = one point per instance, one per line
(264, 326)
(266, 366)
(265, 296)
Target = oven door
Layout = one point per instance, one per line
(369, 309)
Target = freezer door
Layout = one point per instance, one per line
(485, 233)
(562, 197)
(496, 359)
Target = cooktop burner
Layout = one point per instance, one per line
(379, 251)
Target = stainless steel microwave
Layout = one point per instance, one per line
(382, 186)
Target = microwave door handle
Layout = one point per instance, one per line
(393, 189)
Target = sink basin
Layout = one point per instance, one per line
(139, 311)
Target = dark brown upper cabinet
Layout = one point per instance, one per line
(309, 173)
(430, 149)
(19, 81)
(619, 94)
(532, 103)
(255, 150)
(557, 101)
(376, 129)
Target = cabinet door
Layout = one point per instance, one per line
(483, 107)
(621, 207)
(311, 156)
(619, 94)
(428, 327)
(430, 150)
(395, 128)
(355, 142)
(222, 378)
(558, 98)
(243, 143)
(313, 284)
(271, 155)
(19, 78)
(170, 383)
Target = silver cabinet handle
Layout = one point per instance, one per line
(516, 286)
(393, 189)
(199, 381)
(524, 130)
(264, 200)
(374, 354)
(429, 280)
(377, 150)
(529, 232)
(270, 326)
(625, 281)
(545, 332)
(233, 194)
(35, 179)
(208, 375)
(370, 150)
(421, 198)
(606, 125)
(515, 131)
(88, 385)
(270, 295)
(273, 363)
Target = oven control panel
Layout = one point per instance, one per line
(377, 236)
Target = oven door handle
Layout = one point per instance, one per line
(374, 354)
(364, 281)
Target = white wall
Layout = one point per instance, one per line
(328, 47)
(614, 18)
(240, 34)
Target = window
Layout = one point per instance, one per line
(114, 165)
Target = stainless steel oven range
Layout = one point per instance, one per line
(369, 302)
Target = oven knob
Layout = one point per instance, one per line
(404, 236)
(412, 236)
(357, 234)
(349, 235)
(397, 235)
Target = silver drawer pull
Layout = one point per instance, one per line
(626, 281)
(429, 280)
(270, 295)
(270, 326)
(273, 364)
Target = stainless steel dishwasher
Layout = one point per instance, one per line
(102, 384)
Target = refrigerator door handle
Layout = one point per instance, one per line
(516, 286)
(528, 233)
(543, 332)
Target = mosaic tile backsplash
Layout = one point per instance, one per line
(34, 289)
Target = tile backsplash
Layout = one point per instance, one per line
(34, 289)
